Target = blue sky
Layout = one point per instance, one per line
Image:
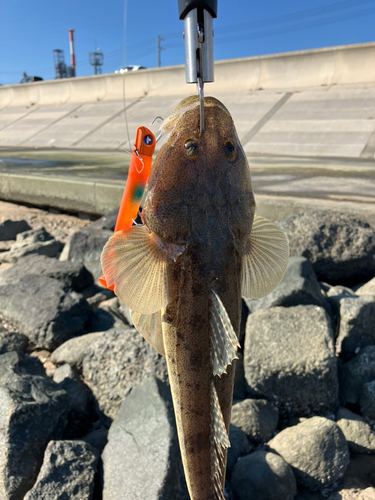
(30, 30)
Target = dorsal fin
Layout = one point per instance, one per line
(149, 326)
(224, 340)
(135, 262)
(265, 259)
(219, 444)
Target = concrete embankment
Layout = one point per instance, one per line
(314, 102)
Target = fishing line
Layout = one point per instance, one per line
(123, 74)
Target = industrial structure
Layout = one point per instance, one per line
(96, 60)
(61, 69)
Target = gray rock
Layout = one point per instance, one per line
(340, 247)
(355, 373)
(68, 472)
(115, 362)
(299, 286)
(258, 418)
(108, 315)
(97, 438)
(308, 495)
(367, 400)
(289, 358)
(144, 438)
(71, 274)
(359, 475)
(33, 411)
(108, 221)
(367, 289)
(12, 341)
(240, 388)
(263, 476)
(316, 450)
(239, 447)
(334, 295)
(35, 241)
(10, 228)
(356, 430)
(97, 290)
(49, 316)
(357, 324)
(86, 246)
(80, 416)
(73, 351)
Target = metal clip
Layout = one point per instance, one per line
(201, 103)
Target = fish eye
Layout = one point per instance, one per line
(191, 148)
(230, 150)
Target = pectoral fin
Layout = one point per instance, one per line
(224, 340)
(135, 262)
(219, 443)
(149, 326)
(265, 259)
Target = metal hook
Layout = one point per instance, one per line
(201, 103)
(156, 118)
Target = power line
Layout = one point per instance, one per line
(284, 18)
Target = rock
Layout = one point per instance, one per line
(49, 316)
(359, 475)
(97, 438)
(240, 389)
(108, 221)
(12, 341)
(239, 447)
(357, 324)
(367, 400)
(299, 286)
(81, 414)
(263, 476)
(33, 411)
(115, 362)
(73, 351)
(97, 290)
(67, 472)
(340, 247)
(86, 246)
(316, 450)
(144, 437)
(357, 431)
(355, 373)
(108, 315)
(258, 418)
(289, 358)
(334, 295)
(308, 495)
(71, 274)
(36, 241)
(367, 289)
(10, 228)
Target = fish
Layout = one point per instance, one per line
(184, 271)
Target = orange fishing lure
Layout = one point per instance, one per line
(138, 174)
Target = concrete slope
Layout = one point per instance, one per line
(317, 102)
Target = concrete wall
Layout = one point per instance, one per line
(316, 102)
(346, 64)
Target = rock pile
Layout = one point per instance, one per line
(85, 406)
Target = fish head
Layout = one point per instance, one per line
(198, 173)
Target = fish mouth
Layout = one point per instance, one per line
(185, 105)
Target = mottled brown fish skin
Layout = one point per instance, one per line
(204, 202)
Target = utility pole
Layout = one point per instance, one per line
(159, 49)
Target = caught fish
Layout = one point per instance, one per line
(183, 273)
